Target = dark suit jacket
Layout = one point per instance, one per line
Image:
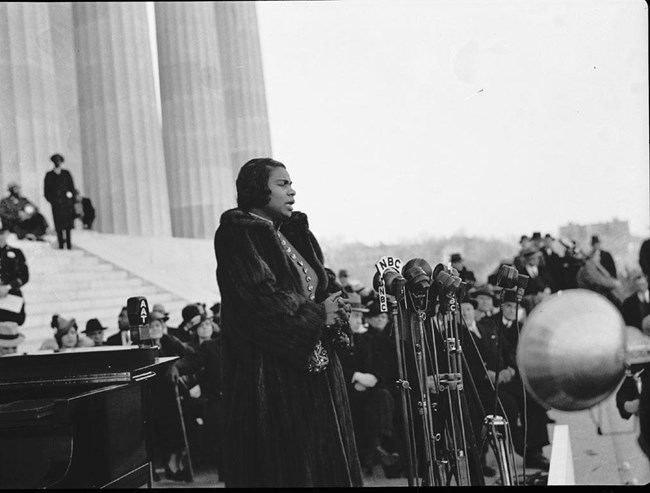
(15, 273)
(634, 311)
(114, 340)
(537, 284)
(607, 261)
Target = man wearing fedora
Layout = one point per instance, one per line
(14, 274)
(457, 262)
(602, 257)
(539, 282)
(95, 331)
(485, 301)
(10, 338)
(61, 194)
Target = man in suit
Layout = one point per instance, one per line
(14, 274)
(457, 262)
(602, 257)
(552, 262)
(62, 195)
(637, 306)
(372, 403)
(539, 282)
(535, 418)
(123, 337)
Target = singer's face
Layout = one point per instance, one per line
(281, 200)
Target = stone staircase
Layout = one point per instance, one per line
(77, 284)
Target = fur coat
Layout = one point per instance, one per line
(285, 427)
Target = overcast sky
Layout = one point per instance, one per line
(409, 119)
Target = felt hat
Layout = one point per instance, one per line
(374, 308)
(355, 303)
(484, 289)
(9, 335)
(93, 325)
(455, 257)
(192, 316)
(158, 315)
(159, 307)
(595, 239)
(528, 251)
(57, 158)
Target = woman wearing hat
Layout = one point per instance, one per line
(66, 335)
(10, 338)
(287, 408)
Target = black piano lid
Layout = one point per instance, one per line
(77, 362)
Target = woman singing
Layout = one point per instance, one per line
(288, 421)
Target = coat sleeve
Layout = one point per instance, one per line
(22, 271)
(256, 308)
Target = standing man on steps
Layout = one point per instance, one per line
(13, 275)
(61, 194)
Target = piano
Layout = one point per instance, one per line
(78, 418)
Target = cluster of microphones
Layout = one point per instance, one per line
(423, 286)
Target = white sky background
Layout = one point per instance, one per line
(413, 119)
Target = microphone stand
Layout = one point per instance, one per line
(452, 383)
(424, 405)
(404, 386)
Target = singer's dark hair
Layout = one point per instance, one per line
(253, 182)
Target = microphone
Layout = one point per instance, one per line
(388, 280)
(137, 311)
(507, 277)
(417, 273)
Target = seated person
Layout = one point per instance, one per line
(10, 338)
(205, 366)
(21, 216)
(66, 336)
(372, 405)
(95, 331)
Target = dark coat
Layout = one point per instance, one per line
(15, 273)
(114, 340)
(285, 427)
(607, 261)
(61, 194)
(634, 311)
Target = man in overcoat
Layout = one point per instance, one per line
(61, 194)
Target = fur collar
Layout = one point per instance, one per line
(237, 217)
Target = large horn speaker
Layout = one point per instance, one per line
(573, 350)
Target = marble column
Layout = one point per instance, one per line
(63, 50)
(244, 90)
(200, 179)
(29, 112)
(120, 131)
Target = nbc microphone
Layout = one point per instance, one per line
(137, 310)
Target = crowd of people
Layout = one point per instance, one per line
(300, 387)
(193, 382)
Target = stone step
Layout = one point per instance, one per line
(65, 304)
(46, 296)
(76, 288)
(79, 265)
(106, 273)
